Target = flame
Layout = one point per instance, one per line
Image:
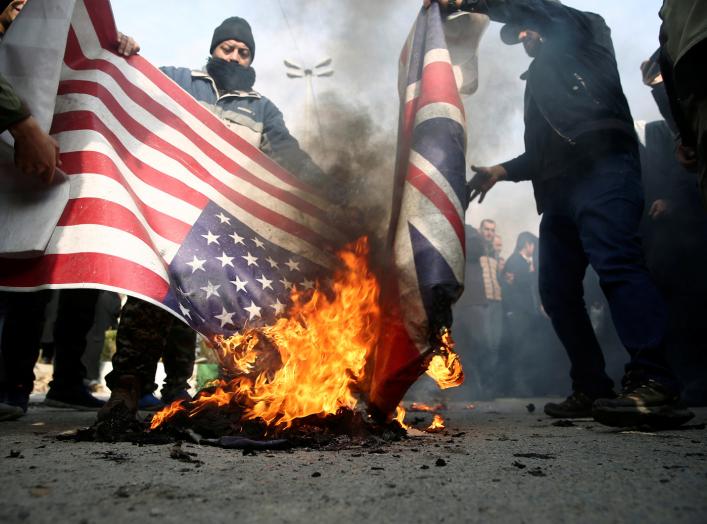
(159, 418)
(400, 417)
(308, 363)
(419, 406)
(437, 425)
(445, 367)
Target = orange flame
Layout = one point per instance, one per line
(437, 425)
(419, 406)
(445, 367)
(308, 363)
(159, 418)
(400, 417)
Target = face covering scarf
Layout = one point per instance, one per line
(230, 76)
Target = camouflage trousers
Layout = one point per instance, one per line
(145, 334)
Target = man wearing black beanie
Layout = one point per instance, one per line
(226, 88)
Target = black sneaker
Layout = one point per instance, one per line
(577, 405)
(76, 398)
(646, 403)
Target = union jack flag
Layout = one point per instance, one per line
(426, 236)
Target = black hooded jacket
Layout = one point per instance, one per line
(575, 107)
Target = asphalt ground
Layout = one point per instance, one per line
(495, 463)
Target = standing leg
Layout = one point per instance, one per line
(608, 221)
(75, 314)
(140, 343)
(561, 273)
(21, 333)
(608, 216)
(178, 359)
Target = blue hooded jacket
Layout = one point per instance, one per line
(256, 119)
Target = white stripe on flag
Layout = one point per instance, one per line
(431, 171)
(91, 238)
(76, 141)
(440, 110)
(92, 185)
(90, 46)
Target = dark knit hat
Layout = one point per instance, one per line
(234, 28)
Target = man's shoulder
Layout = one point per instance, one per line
(515, 261)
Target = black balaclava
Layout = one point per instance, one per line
(230, 76)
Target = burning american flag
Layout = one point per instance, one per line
(169, 205)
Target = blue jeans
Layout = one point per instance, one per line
(592, 217)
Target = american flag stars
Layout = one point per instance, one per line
(234, 283)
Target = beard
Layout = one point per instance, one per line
(230, 76)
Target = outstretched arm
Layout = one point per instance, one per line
(547, 17)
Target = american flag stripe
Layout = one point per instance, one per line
(102, 179)
(154, 150)
(143, 84)
(73, 129)
(120, 99)
(197, 124)
(84, 269)
(145, 160)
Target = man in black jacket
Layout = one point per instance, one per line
(581, 154)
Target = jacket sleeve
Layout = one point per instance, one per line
(12, 109)
(551, 19)
(519, 168)
(282, 147)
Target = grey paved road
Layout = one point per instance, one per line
(508, 466)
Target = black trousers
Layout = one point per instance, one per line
(23, 315)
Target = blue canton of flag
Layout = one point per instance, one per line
(226, 276)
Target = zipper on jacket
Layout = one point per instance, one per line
(560, 134)
(586, 89)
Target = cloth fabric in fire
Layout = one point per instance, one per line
(426, 235)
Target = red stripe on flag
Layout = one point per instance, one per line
(153, 140)
(75, 59)
(101, 15)
(104, 213)
(439, 85)
(83, 268)
(431, 190)
(82, 120)
(82, 162)
(85, 120)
